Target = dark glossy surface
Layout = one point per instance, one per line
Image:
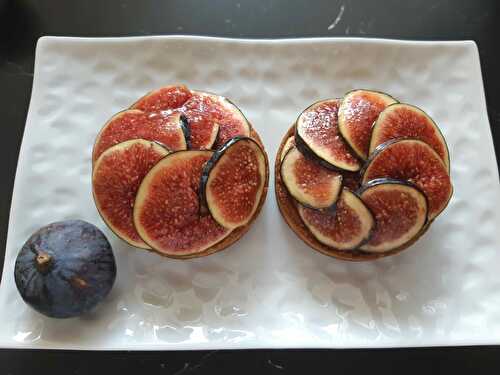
(23, 21)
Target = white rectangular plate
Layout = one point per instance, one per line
(269, 290)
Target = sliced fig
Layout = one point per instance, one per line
(163, 99)
(115, 181)
(415, 161)
(407, 121)
(400, 211)
(168, 129)
(204, 110)
(357, 113)
(317, 135)
(166, 210)
(346, 228)
(203, 130)
(308, 182)
(290, 142)
(232, 182)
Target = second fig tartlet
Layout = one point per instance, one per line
(362, 177)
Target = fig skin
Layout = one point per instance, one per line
(65, 269)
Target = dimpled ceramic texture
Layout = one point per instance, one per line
(269, 289)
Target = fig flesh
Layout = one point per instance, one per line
(317, 136)
(167, 207)
(115, 181)
(400, 211)
(168, 129)
(163, 99)
(346, 228)
(232, 182)
(414, 161)
(406, 121)
(209, 114)
(308, 182)
(357, 113)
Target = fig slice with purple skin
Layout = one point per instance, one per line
(203, 130)
(115, 181)
(357, 113)
(309, 183)
(414, 161)
(204, 109)
(167, 207)
(170, 130)
(317, 136)
(345, 229)
(407, 121)
(163, 99)
(290, 142)
(400, 211)
(233, 181)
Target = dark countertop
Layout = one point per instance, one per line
(22, 22)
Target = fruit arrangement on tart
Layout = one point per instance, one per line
(181, 172)
(362, 177)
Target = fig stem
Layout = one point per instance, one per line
(43, 261)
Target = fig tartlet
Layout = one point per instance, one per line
(181, 172)
(362, 177)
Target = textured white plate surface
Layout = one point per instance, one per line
(269, 289)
